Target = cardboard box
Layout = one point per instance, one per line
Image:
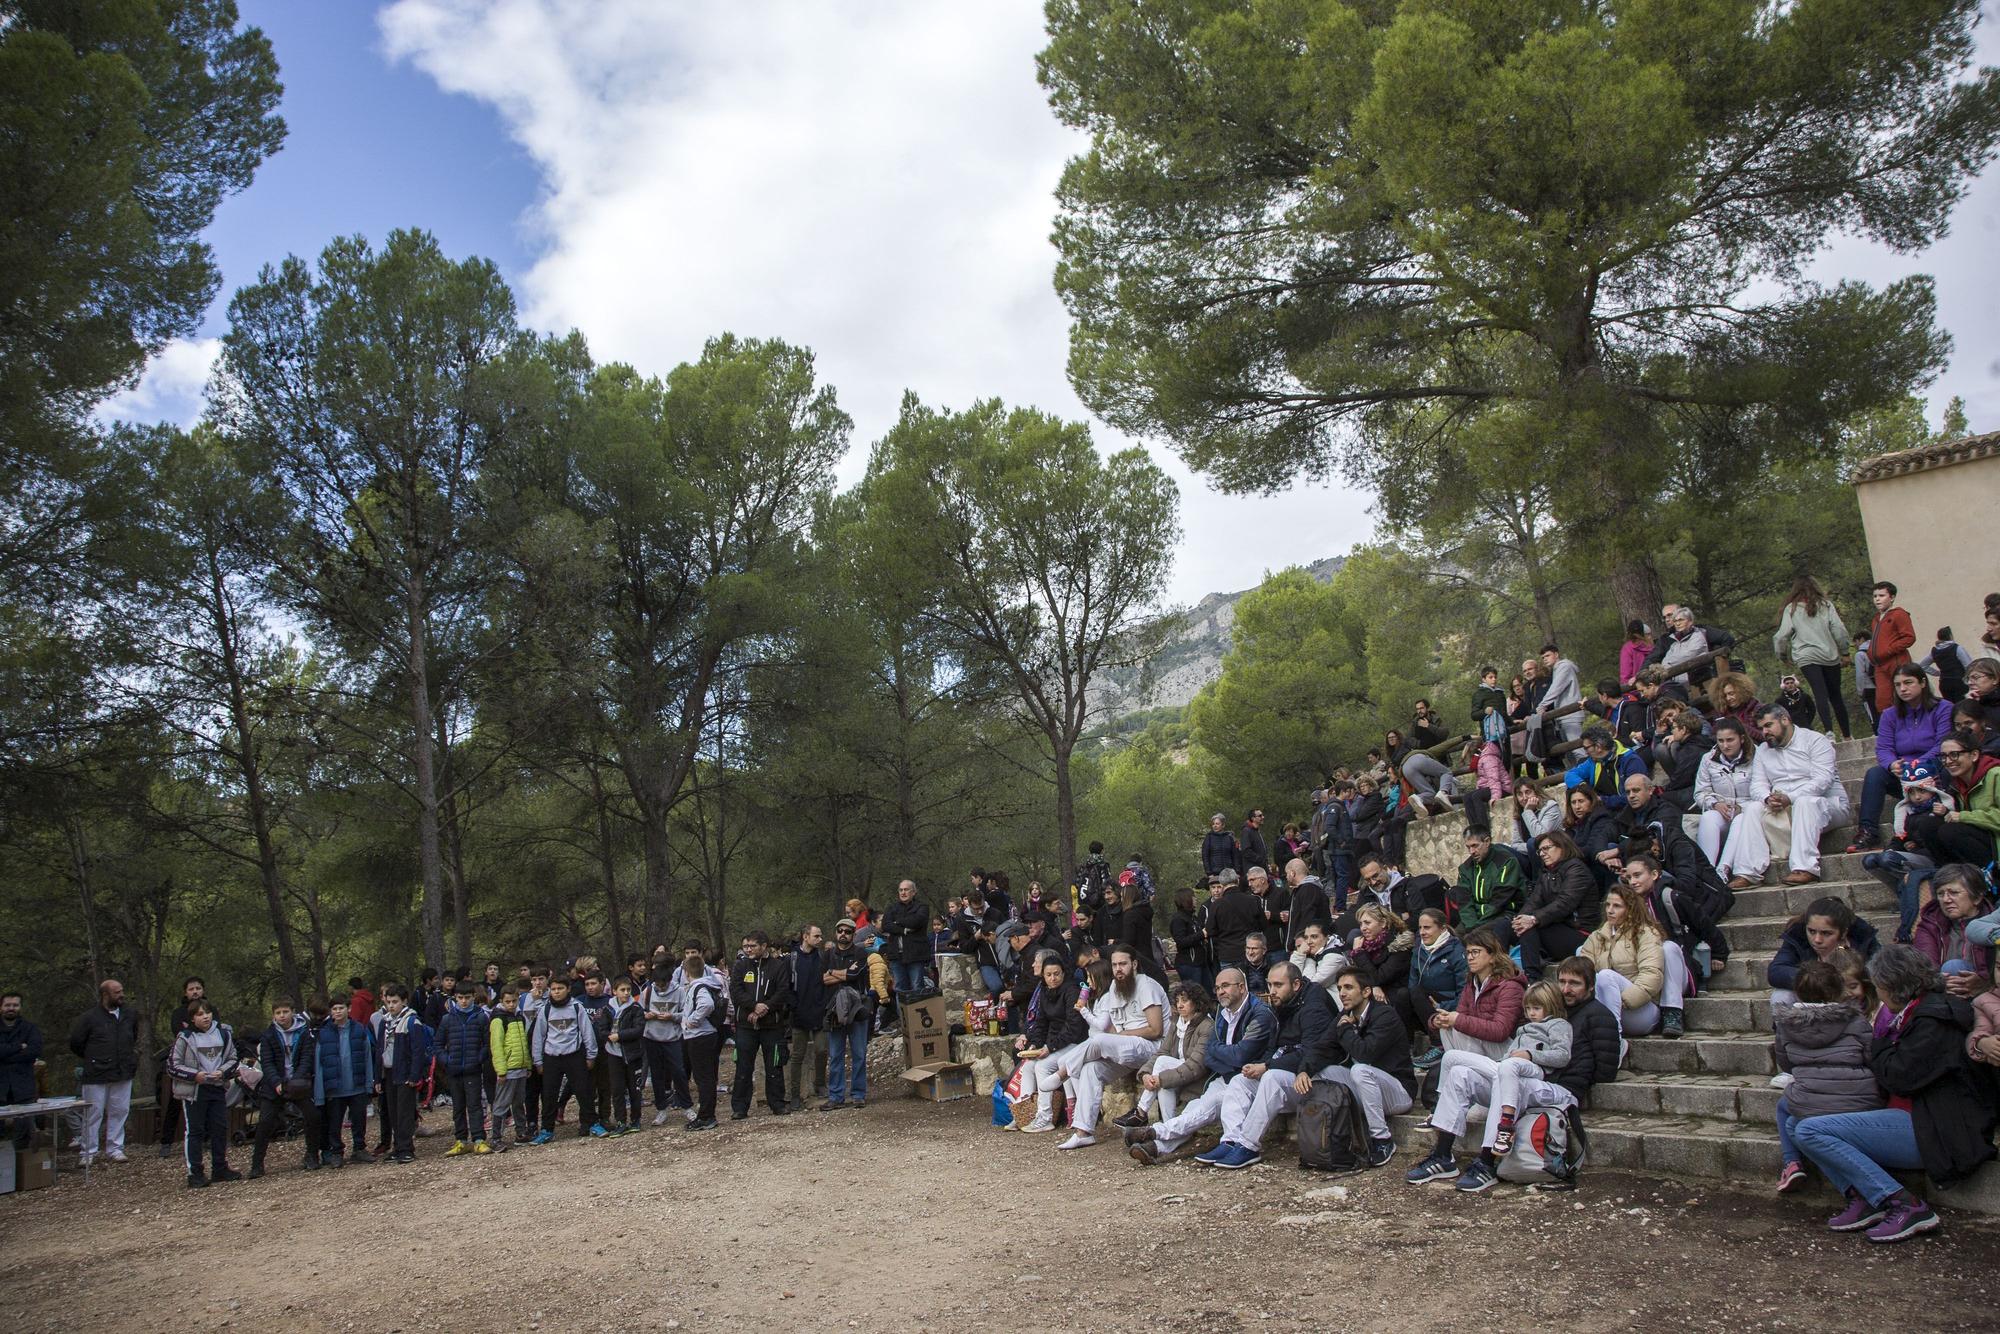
(941, 1083)
(36, 1169)
(925, 1017)
(922, 1049)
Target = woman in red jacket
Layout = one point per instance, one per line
(1489, 1009)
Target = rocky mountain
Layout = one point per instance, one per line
(1191, 658)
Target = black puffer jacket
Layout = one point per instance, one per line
(1953, 1099)
(1566, 895)
(1593, 1050)
(1218, 852)
(1056, 1023)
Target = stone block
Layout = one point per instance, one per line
(885, 1068)
(1624, 1096)
(1611, 1146)
(991, 1059)
(1743, 1057)
(1723, 1013)
(1757, 933)
(1686, 1155)
(1660, 1056)
(1758, 1104)
(1715, 1101)
(958, 982)
(1979, 1192)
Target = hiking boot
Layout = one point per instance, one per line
(1791, 1176)
(1437, 1167)
(1857, 1215)
(311, 1163)
(1143, 1154)
(1868, 841)
(256, 1171)
(1670, 1024)
(1476, 1179)
(197, 1183)
(833, 1104)
(1907, 1217)
(1138, 1134)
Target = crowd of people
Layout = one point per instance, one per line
(1293, 965)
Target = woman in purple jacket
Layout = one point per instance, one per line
(1906, 735)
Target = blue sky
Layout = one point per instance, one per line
(871, 181)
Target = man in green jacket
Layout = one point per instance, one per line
(1489, 886)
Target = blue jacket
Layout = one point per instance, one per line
(1795, 951)
(1256, 1032)
(461, 1039)
(1439, 973)
(342, 1072)
(414, 1049)
(1607, 776)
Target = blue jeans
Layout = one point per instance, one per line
(1788, 1145)
(1876, 787)
(909, 976)
(991, 976)
(1343, 879)
(1858, 1150)
(847, 1062)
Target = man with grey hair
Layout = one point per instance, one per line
(1234, 915)
(1244, 1032)
(1306, 1046)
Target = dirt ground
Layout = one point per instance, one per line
(908, 1213)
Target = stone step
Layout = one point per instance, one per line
(1866, 897)
(1745, 1011)
(1742, 1153)
(1743, 973)
(1714, 1097)
(1752, 933)
(1720, 1052)
(1848, 750)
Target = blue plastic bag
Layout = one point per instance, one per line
(1003, 1110)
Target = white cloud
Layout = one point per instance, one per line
(171, 388)
(874, 182)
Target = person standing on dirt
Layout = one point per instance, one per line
(804, 1075)
(846, 977)
(906, 939)
(20, 1053)
(760, 989)
(106, 1037)
(702, 1014)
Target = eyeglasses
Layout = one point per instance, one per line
(1953, 754)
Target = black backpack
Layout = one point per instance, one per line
(1332, 1136)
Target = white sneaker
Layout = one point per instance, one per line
(1781, 1080)
(660, 1117)
(116, 1155)
(85, 1159)
(1041, 1125)
(1079, 1140)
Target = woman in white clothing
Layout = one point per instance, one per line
(1721, 793)
(1315, 958)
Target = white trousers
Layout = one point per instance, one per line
(1169, 1100)
(1637, 1021)
(1466, 1081)
(1380, 1094)
(1249, 1108)
(105, 1107)
(1711, 832)
(1093, 1063)
(1043, 1075)
(1204, 1109)
(1797, 829)
(1453, 1040)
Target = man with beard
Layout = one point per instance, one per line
(1125, 1026)
(1306, 1045)
(1244, 1032)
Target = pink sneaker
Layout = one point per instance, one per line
(1857, 1215)
(1790, 1176)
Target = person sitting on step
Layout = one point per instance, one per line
(1640, 973)
(1126, 1022)
(1178, 1066)
(1306, 1046)
(1826, 925)
(1524, 1078)
(1244, 1032)
(1055, 1027)
(1821, 1042)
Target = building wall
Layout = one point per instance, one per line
(1931, 534)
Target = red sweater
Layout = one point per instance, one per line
(1492, 1012)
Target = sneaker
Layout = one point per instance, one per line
(1857, 1215)
(1670, 1024)
(833, 1104)
(1215, 1156)
(333, 1160)
(702, 1123)
(404, 1158)
(256, 1172)
(458, 1147)
(115, 1155)
(1239, 1157)
(1869, 841)
(597, 1130)
(1143, 1154)
(481, 1146)
(1907, 1217)
(1080, 1139)
(858, 1104)
(1428, 1058)
(1135, 1117)
(311, 1163)
(84, 1160)
(1041, 1125)
(166, 1151)
(1476, 1179)
(501, 1146)
(1781, 1080)
(1138, 1134)
(1380, 1151)
(1436, 1167)
(1790, 1176)
(544, 1137)
(197, 1183)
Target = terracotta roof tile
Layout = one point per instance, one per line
(1940, 455)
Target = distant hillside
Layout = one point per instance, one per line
(1190, 660)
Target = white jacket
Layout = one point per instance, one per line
(1805, 768)
(1722, 779)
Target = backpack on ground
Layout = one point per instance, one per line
(1549, 1148)
(1331, 1133)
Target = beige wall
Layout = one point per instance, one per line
(1931, 534)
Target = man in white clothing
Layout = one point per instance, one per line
(1565, 689)
(1795, 783)
(1125, 1027)
(1244, 1032)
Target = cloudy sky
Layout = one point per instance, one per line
(872, 181)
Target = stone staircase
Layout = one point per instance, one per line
(1702, 1106)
